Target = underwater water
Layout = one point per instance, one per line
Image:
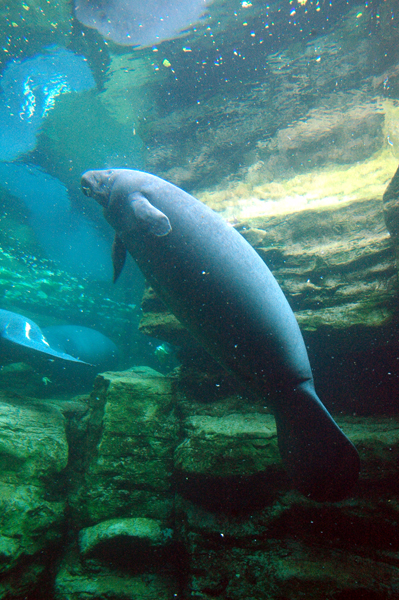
(167, 482)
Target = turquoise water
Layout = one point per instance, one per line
(284, 118)
(211, 97)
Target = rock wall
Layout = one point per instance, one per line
(33, 456)
(165, 496)
(324, 237)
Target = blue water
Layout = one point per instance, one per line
(30, 89)
(199, 96)
(245, 104)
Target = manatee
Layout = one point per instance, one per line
(137, 23)
(220, 289)
(88, 344)
(22, 340)
(98, 352)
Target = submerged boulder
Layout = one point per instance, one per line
(172, 496)
(110, 579)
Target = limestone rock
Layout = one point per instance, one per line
(33, 442)
(32, 575)
(231, 445)
(34, 453)
(336, 271)
(76, 581)
(158, 322)
(301, 551)
(176, 497)
(291, 546)
(132, 436)
(222, 451)
(31, 528)
(143, 532)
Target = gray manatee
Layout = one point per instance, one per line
(221, 290)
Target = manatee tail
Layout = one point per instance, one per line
(322, 463)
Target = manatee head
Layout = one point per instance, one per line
(126, 208)
(98, 185)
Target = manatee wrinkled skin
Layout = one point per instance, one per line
(220, 289)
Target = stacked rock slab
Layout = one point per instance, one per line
(33, 454)
(123, 501)
(335, 264)
(215, 516)
(131, 439)
(175, 497)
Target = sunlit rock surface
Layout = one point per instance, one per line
(324, 237)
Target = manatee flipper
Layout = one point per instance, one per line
(321, 461)
(149, 218)
(118, 257)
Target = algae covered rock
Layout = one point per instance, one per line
(290, 546)
(132, 437)
(172, 497)
(34, 453)
(142, 532)
(229, 445)
(76, 581)
(33, 444)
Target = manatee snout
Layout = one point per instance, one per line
(96, 187)
(86, 189)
